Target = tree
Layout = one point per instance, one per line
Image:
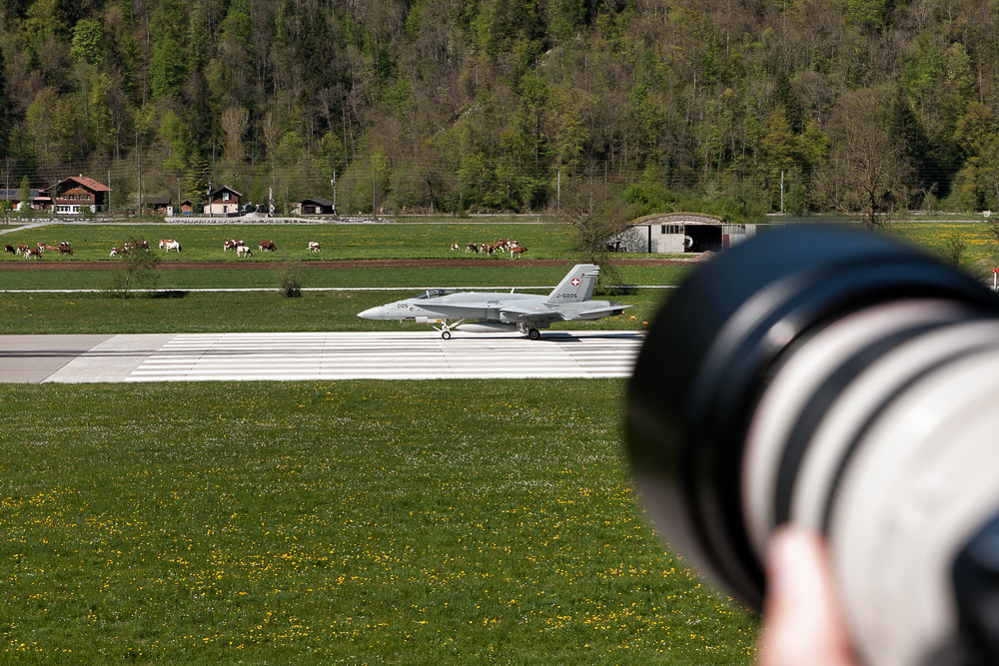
(869, 175)
(88, 42)
(135, 270)
(235, 121)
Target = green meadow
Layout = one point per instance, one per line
(354, 522)
(338, 241)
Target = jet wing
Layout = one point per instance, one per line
(598, 311)
(536, 313)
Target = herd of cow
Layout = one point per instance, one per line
(36, 252)
(502, 245)
(243, 250)
(166, 244)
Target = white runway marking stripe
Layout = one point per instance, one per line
(388, 355)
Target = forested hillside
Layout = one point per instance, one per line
(513, 105)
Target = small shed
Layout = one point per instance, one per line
(679, 233)
(156, 205)
(317, 206)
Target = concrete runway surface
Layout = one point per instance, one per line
(313, 356)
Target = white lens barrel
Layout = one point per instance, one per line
(899, 465)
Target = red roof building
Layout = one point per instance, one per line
(74, 195)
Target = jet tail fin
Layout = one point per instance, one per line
(577, 286)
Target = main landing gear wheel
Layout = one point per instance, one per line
(446, 335)
(534, 334)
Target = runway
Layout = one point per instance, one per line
(75, 359)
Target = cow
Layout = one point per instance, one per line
(115, 251)
(232, 244)
(314, 247)
(172, 245)
(516, 252)
(471, 247)
(454, 246)
(9, 249)
(267, 246)
(164, 242)
(33, 252)
(243, 251)
(51, 248)
(65, 248)
(22, 249)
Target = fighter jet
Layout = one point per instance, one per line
(491, 312)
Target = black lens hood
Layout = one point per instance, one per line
(707, 356)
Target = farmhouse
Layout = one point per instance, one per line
(14, 197)
(74, 195)
(225, 201)
(680, 233)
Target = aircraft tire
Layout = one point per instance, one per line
(534, 334)
(446, 335)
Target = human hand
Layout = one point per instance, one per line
(803, 620)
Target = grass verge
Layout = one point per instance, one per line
(206, 312)
(355, 522)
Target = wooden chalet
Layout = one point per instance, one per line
(74, 195)
(156, 206)
(224, 201)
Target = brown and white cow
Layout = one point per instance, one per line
(243, 251)
(172, 245)
(472, 247)
(33, 252)
(115, 251)
(65, 248)
(516, 252)
(267, 246)
(9, 249)
(314, 247)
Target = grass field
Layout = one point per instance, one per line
(351, 522)
(199, 312)
(339, 241)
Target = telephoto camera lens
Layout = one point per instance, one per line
(847, 382)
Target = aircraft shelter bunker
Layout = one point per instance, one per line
(679, 233)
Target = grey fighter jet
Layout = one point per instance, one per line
(491, 312)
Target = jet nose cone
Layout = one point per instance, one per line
(373, 313)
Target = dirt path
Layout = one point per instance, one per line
(70, 264)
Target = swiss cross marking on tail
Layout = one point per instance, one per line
(575, 282)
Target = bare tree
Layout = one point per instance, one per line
(235, 121)
(869, 177)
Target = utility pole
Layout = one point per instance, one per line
(209, 198)
(558, 193)
(782, 192)
(138, 163)
(333, 183)
(374, 199)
